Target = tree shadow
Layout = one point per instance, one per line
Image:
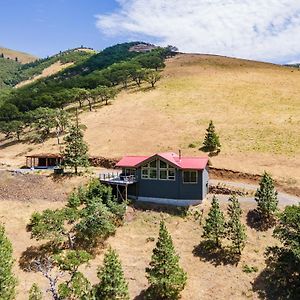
(33, 253)
(180, 211)
(143, 295)
(262, 287)
(255, 221)
(209, 151)
(269, 288)
(214, 153)
(147, 88)
(61, 177)
(208, 252)
(9, 144)
(280, 279)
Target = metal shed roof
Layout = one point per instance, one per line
(194, 163)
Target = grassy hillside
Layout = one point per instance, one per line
(255, 108)
(21, 56)
(27, 73)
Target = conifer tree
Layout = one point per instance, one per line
(266, 198)
(8, 281)
(165, 276)
(214, 228)
(35, 293)
(112, 283)
(211, 141)
(236, 231)
(76, 151)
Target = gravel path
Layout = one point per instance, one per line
(284, 199)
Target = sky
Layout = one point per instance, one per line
(266, 30)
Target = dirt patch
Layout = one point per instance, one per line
(221, 189)
(103, 162)
(33, 187)
(218, 173)
(51, 70)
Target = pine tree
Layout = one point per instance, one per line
(236, 231)
(35, 293)
(266, 198)
(166, 278)
(8, 281)
(214, 228)
(76, 151)
(112, 283)
(211, 141)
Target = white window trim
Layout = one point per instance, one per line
(168, 177)
(158, 169)
(184, 182)
(148, 168)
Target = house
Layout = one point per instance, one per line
(43, 160)
(165, 178)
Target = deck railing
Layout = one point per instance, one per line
(117, 177)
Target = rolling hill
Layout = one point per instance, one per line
(255, 107)
(22, 57)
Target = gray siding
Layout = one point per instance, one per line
(191, 190)
(159, 188)
(168, 189)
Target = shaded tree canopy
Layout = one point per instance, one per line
(166, 278)
(8, 281)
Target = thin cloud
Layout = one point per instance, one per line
(255, 29)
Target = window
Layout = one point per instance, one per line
(145, 173)
(190, 177)
(163, 174)
(149, 171)
(171, 174)
(163, 165)
(158, 169)
(166, 171)
(129, 172)
(153, 174)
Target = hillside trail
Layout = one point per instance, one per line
(283, 198)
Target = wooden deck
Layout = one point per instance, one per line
(120, 183)
(117, 179)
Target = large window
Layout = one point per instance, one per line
(149, 171)
(158, 169)
(190, 177)
(166, 172)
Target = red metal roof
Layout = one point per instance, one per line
(131, 161)
(194, 163)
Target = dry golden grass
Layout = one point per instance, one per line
(255, 107)
(22, 57)
(51, 70)
(205, 280)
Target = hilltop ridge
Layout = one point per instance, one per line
(22, 57)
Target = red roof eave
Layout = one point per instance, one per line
(185, 163)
